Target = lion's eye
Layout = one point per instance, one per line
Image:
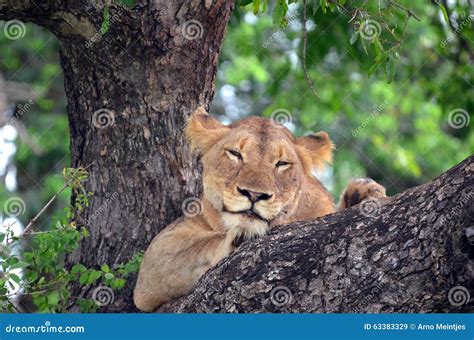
(234, 153)
(282, 164)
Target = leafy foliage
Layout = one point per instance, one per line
(44, 276)
(385, 99)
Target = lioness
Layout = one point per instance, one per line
(256, 175)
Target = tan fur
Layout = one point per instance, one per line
(247, 191)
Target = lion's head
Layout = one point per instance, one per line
(254, 169)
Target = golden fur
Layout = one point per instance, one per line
(256, 175)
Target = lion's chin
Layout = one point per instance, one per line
(250, 225)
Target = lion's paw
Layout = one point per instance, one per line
(358, 190)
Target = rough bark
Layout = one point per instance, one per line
(129, 91)
(409, 254)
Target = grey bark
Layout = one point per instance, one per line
(130, 90)
(413, 252)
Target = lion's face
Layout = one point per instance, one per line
(254, 169)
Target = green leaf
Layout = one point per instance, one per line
(389, 70)
(378, 49)
(279, 13)
(244, 2)
(94, 276)
(256, 6)
(106, 21)
(15, 278)
(354, 37)
(443, 10)
(19, 264)
(84, 278)
(128, 3)
(2, 237)
(32, 276)
(105, 268)
(109, 276)
(53, 298)
(78, 268)
(118, 283)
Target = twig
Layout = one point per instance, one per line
(305, 38)
(33, 220)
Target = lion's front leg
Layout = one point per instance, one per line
(359, 190)
(175, 261)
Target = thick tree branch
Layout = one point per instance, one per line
(408, 256)
(64, 18)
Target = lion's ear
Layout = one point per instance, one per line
(314, 150)
(203, 131)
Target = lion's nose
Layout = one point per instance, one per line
(254, 196)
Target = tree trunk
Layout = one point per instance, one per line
(413, 252)
(130, 90)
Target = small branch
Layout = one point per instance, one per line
(305, 39)
(33, 220)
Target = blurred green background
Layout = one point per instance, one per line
(401, 133)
